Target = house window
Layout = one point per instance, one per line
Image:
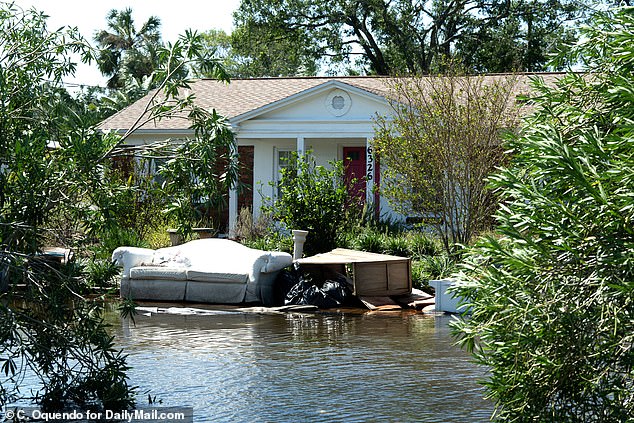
(124, 165)
(282, 162)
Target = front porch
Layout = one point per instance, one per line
(269, 156)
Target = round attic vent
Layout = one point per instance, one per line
(338, 102)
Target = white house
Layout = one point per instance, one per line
(271, 117)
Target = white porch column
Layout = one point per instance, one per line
(233, 198)
(369, 171)
(301, 149)
(233, 211)
(300, 146)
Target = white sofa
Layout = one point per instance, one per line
(205, 271)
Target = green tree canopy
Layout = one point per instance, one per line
(404, 37)
(57, 189)
(124, 51)
(261, 53)
(524, 39)
(217, 43)
(245, 56)
(552, 292)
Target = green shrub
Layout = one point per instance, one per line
(316, 199)
(371, 241)
(271, 242)
(420, 278)
(384, 224)
(116, 237)
(102, 273)
(552, 297)
(158, 237)
(130, 201)
(346, 239)
(438, 267)
(422, 245)
(431, 268)
(397, 245)
(413, 244)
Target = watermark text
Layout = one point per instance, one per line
(149, 414)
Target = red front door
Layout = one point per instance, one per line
(355, 170)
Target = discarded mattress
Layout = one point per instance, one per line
(208, 270)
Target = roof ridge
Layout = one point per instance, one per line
(280, 78)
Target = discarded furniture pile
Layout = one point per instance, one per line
(376, 281)
(221, 271)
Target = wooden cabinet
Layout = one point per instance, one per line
(371, 274)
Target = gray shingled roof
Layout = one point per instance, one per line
(237, 98)
(247, 95)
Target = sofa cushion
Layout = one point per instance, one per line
(158, 272)
(216, 292)
(154, 289)
(224, 277)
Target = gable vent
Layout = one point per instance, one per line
(338, 102)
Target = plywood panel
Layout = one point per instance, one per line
(398, 276)
(342, 255)
(370, 279)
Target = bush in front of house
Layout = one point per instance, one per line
(438, 144)
(314, 198)
(369, 240)
(273, 241)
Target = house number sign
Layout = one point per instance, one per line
(369, 175)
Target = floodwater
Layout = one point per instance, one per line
(333, 367)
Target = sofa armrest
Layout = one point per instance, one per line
(129, 257)
(277, 261)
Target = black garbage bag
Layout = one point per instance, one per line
(333, 293)
(339, 290)
(297, 294)
(317, 297)
(285, 282)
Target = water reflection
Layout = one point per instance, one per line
(235, 367)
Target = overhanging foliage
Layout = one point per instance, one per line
(552, 292)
